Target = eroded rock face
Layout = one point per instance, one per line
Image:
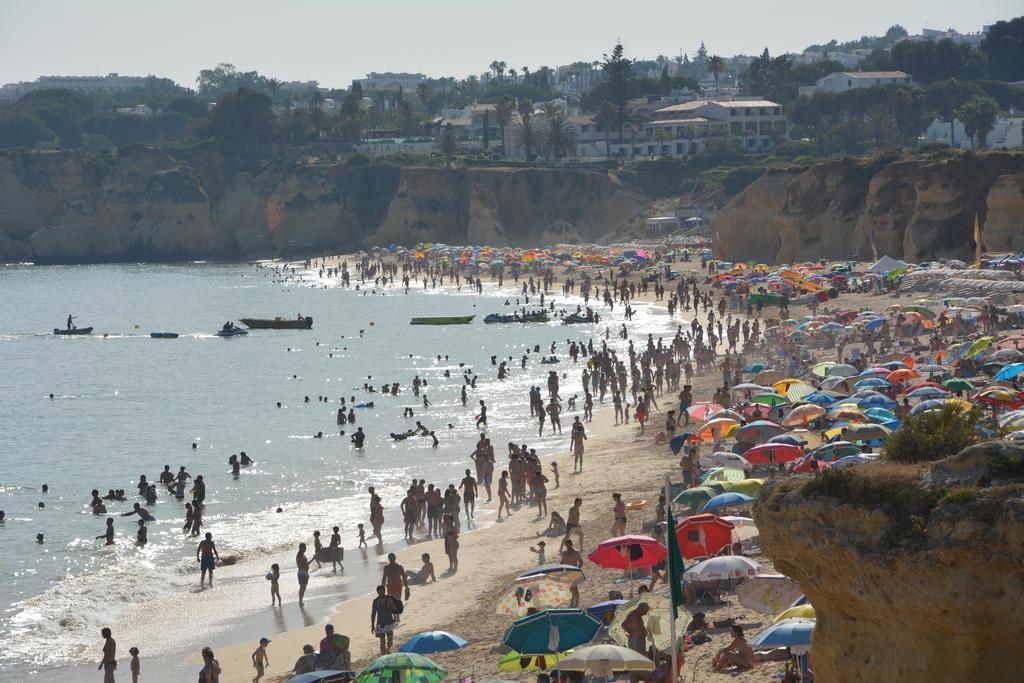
(150, 205)
(914, 208)
(1004, 221)
(933, 597)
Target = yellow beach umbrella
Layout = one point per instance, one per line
(805, 611)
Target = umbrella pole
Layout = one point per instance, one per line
(671, 611)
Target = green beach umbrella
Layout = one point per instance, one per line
(402, 667)
(717, 486)
(695, 497)
(770, 400)
(958, 384)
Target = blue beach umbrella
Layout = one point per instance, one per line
(926, 393)
(551, 631)
(873, 383)
(792, 633)
(727, 499)
(429, 642)
(1010, 371)
(876, 401)
(923, 406)
(788, 439)
(880, 414)
(604, 611)
(819, 399)
(678, 441)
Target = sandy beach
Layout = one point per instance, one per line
(618, 459)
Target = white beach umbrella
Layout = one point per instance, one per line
(605, 660)
(724, 459)
(723, 567)
(768, 593)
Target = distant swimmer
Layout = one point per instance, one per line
(142, 512)
(109, 533)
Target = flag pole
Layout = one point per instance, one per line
(670, 533)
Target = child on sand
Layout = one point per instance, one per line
(554, 470)
(260, 660)
(451, 548)
(135, 668)
(539, 551)
(275, 589)
(362, 537)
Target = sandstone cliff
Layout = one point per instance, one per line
(68, 207)
(914, 573)
(917, 208)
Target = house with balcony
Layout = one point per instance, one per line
(756, 125)
(841, 81)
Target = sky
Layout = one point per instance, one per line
(334, 41)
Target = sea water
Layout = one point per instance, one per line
(125, 404)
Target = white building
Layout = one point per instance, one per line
(841, 81)
(111, 83)
(756, 124)
(137, 110)
(390, 80)
(1006, 133)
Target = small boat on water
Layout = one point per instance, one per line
(305, 323)
(443, 320)
(73, 330)
(231, 332)
(538, 317)
(576, 318)
(163, 335)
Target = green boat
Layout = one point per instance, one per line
(444, 320)
(305, 323)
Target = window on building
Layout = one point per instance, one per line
(746, 112)
(778, 110)
(751, 143)
(584, 128)
(761, 111)
(732, 112)
(679, 147)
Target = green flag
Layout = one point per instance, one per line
(675, 564)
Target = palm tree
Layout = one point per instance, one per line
(273, 84)
(423, 92)
(528, 136)
(448, 144)
(716, 65)
(503, 113)
(512, 74)
(559, 134)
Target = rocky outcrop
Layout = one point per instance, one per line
(914, 573)
(157, 205)
(916, 208)
(1005, 215)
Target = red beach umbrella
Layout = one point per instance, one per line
(703, 535)
(628, 552)
(772, 453)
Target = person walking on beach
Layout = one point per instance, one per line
(572, 522)
(384, 613)
(275, 584)
(108, 663)
(619, 511)
(302, 564)
(210, 673)
(579, 435)
(393, 578)
(469, 490)
(503, 500)
(335, 550)
(205, 553)
(260, 660)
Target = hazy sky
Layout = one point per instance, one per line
(334, 41)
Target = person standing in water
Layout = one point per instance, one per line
(205, 553)
(302, 564)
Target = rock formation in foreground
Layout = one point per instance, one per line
(916, 208)
(156, 205)
(915, 573)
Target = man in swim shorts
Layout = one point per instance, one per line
(205, 553)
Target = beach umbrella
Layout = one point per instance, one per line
(820, 398)
(656, 620)
(1010, 371)
(724, 474)
(842, 370)
(551, 631)
(702, 409)
(880, 414)
(537, 591)
(826, 454)
(628, 552)
(604, 611)
(978, 346)
(754, 368)
(846, 413)
(562, 572)
(694, 498)
(924, 406)
(718, 486)
(801, 415)
(767, 377)
(743, 527)
(748, 386)
(926, 393)
(770, 400)
(725, 413)
(805, 611)
(605, 660)
(797, 391)
(998, 396)
(514, 661)
(873, 383)
(792, 439)
(429, 642)
(768, 593)
(772, 453)
(703, 535)
(402, 667)
(718, 423)
(677, 442)
(866, 432)
(876, 401)
(792, 633)
(750, 487)
(759, 431)
(821, 370)
(724, 459)
(1008, 355)
(722, 567)
(958, 384)
(727, 499)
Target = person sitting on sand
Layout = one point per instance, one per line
(307, 662)
(424, 575)
(737, 654)
(556, 528)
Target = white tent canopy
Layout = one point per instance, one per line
(887, 264)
